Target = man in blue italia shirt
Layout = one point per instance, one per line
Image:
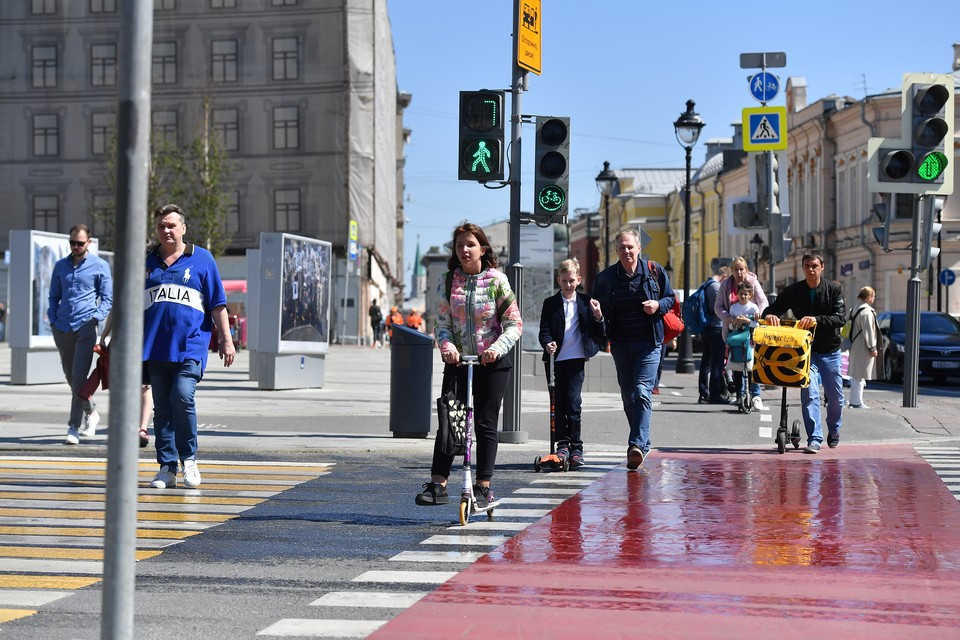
(81, 294)
(184, 302)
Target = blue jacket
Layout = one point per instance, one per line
(658, 289)
(553, 323)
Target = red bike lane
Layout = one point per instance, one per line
(855, 542)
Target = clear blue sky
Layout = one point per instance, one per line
(623, 71)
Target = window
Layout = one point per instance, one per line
(223, 60)
(285, 59)
(286, 128)
(223, 4)
(103, 6)
(103, 65)
(44, 66)
(284, 3)
(43, 7)
(286, 209)
(165, 127)
(165, 63)
(233, 213)
(46, 135)
(101, 128)
(102, 209)
(46, 213)
(226, 123)
(164, 5)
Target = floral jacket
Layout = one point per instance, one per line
(468, 320)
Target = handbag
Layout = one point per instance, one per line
(452, 424)
(673, 318)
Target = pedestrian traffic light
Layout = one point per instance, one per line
(932, 208)
(552, 169)
(481, 136)
(767, 184)
(917, 162)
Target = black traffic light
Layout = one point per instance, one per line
(931, 227)
(892, 208)
(552, 170)
(481, 136)
(918, 161)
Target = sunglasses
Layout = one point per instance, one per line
(78, 243)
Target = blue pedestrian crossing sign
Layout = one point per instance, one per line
(765, 129)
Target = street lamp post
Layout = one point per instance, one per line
(687, 128)
(605, 181)
(756, 244)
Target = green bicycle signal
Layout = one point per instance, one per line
(551, 198)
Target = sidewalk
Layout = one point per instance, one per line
(859, 543)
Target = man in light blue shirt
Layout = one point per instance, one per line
(81, 295)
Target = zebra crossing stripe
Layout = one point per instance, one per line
(304, 628)
(369, 599)
(405, 577)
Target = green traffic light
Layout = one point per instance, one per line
(931, 166)
(551, 198)
(481, 157)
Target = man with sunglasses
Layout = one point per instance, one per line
(81, 295)
(818, 306)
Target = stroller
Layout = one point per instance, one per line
(740, 360)
(783, 359)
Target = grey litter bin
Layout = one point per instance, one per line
(411, 383)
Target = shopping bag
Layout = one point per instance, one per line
(452, 424)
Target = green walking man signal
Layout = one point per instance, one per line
(480, 149)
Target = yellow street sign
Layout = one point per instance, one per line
(528, 38)
(765, 129)
(353, 229)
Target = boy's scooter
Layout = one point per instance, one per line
(552, 462)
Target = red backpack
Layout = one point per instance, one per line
(672, 319)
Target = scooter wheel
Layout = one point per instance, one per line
(537, 465)
(795, 434)
(565, 465)
(745, 405)
(464, 512)
(490, 515)
(781, 441)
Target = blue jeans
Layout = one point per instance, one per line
(174, 409)
(637, 364)
(825, 370)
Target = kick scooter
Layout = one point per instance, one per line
(468, 501)
(553, 462)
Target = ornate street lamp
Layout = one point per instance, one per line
(756, 244)
(687, 127)
(605, 181)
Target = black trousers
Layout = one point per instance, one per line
(569, 377)
(489, 385)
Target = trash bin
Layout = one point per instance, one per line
(411, 383)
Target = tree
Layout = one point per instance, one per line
(198, 176)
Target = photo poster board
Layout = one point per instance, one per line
(539, 279)
(33, 255)
(295, 290)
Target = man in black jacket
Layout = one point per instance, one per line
(570, 332)
(818, 304)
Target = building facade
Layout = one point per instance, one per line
(303, 98)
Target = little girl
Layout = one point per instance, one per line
(743, 313)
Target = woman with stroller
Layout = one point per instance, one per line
(727, 296)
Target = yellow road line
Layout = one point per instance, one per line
(143, 515)
(6, 615)
(149, 464)
(160, 534)
(99, 497)
(147, 474)
(46, 582)
(63, 553)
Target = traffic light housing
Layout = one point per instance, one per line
(919, 161)
(932, 207)
(552, 169)
(480, 151)
(892, 208)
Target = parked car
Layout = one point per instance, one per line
(939, 344)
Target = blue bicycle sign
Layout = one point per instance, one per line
(764, 86)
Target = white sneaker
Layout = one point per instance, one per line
(90, 422)
(757, 403)
(191, 474)
(73, 436)
(166, 478)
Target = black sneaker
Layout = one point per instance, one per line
(634, 457)
(433, 493)
(482, 495)
(576, 460)
(833, 439)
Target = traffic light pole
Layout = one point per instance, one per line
(511, 432)
(911, 355)
(775, 220)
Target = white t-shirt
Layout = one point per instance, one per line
(572, 346)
